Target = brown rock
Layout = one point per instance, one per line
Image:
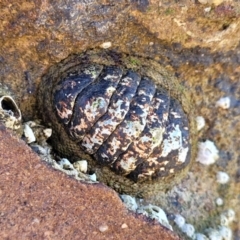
(198, 43)
(41, 203)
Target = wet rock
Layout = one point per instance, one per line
(201, 48)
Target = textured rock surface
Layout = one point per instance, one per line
(200, 43)
(41, 203)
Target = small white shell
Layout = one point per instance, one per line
(93, 177)
(224, 102)
(219, 201)
(47, 132)
(28, 133)
(41, 133)
(81, 166)
(157, 213)
(222, 177)
(200, 122)
(207, 153)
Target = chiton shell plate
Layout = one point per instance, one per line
(129, 119)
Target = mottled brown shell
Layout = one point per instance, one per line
(127, 120)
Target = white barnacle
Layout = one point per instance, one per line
(230, 214)
(179, 220)
(225, 232)
(157, 213)
(28, 133)
(224, 220)
(207, 153)
(227, 217)
(200, 122)
(93, 177)
(81, 165)
(47, 132)
(188, 229)
(207, 9)
(224, 102)
(222, 177)
(219, 201)
(10, 113)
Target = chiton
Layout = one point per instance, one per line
(127, 116)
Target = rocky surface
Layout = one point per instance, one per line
(198, 42)
(42, 203)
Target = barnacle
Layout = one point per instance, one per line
(130, 122)
(10, 114)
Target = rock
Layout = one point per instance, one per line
(30, 189)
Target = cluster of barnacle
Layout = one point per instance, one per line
(207, 151)
(37, 135)
(207, 155)
(222, 232)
